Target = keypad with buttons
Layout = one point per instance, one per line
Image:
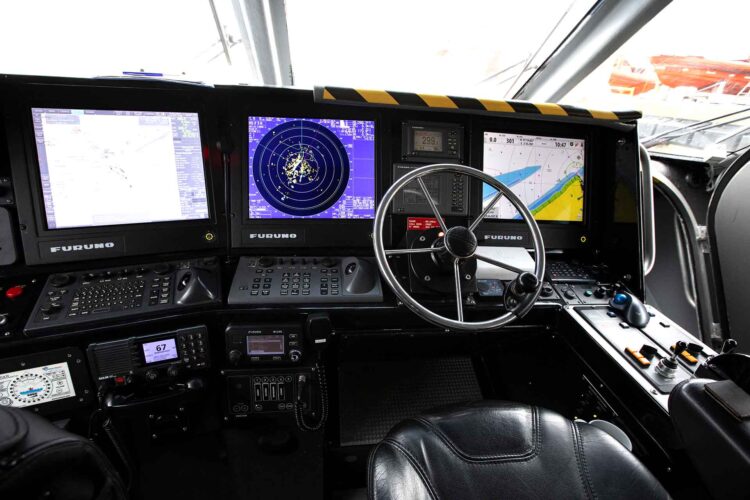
(296, 280)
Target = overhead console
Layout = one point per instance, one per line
(109, 173)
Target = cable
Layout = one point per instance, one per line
(320, 373)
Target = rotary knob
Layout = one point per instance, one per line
(266, 261)
(152, 375)
(162, 269)
(58, 280)
(295, 356)
(234, 356)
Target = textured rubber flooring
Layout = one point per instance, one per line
(375, 396)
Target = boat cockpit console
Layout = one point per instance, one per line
(237, 292)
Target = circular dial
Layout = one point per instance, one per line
(301, 168)
(30, 388)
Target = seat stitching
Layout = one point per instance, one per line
(372, 494)
(517, 457)
(415, 464)
(580, 454)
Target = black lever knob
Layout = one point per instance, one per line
(526, 283)
(266, 261)
(679, 348)
(728, 346)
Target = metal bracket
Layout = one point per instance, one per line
(701, 236)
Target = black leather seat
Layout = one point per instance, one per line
(493, 449)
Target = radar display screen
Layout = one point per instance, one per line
(33, 386)
(546, 173)
(312, 168)
(110, 167)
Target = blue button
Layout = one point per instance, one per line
(620, 299)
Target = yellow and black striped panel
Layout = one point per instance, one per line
(407, 99)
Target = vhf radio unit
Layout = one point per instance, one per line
(150, 359)
(248, 345)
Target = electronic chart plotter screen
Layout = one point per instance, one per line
(311, 168)
(546, 173)
(107, 167)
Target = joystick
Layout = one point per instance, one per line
(632, 310)
(667, 367)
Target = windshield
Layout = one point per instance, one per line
(474, 47)
(685, 70)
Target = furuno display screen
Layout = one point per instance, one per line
(311, 168)
(258, 345)
(34, 386)
(109, 167)
(160, 350)
(546, 173)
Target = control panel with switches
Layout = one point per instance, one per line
(663, 367)
(269, 391)
(70, 299)
(583, 293)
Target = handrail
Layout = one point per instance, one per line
(647, 212)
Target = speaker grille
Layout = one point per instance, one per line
(112, 359)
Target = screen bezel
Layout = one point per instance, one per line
(328, 235)
(78, 375)
(557, 234)
(586, 166)
(246, 177)
(278, 336)
(37, 172)
(131, 239)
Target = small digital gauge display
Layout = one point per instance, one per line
(261, 345)
(428, 140)
(160, 350)
(36, 385)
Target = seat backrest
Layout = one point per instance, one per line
(717, 443)
(40, 460)
(729, 232)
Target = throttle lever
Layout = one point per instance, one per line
(728, 346)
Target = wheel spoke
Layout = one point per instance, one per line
(485, 211)
(459, 300)
(498, 263)
(401, 251)
(431, 202)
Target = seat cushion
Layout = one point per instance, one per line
(494, 449)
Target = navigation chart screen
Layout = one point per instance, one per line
(105, 167)
(312, 168)
(546, 173)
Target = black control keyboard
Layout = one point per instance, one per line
(108, 297)
(282, 280)
(73, 298)
(568, 272)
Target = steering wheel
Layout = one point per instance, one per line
(459, 243)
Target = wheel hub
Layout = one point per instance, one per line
(460, 242)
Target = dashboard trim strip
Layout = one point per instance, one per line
(386, 97)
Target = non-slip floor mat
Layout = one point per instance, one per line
(375, 396)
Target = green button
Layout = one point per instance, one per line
(588, 293)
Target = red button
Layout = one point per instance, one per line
(120, 380)
(14, 291)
